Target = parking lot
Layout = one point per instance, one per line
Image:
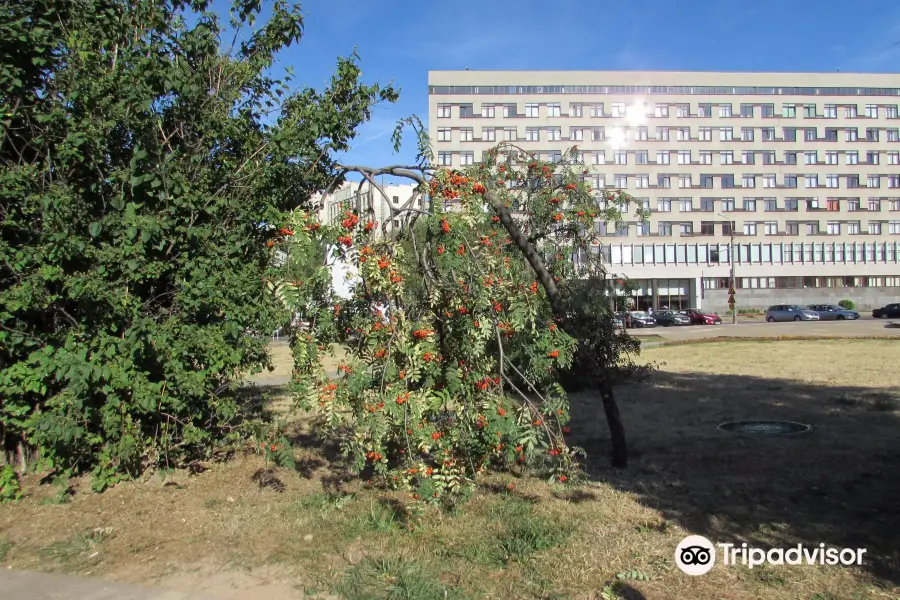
(748, 328)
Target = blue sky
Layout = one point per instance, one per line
(402, 41)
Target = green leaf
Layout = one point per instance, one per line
(94, 228)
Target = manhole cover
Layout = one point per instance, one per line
(765, 427)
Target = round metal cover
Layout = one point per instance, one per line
(765, 427)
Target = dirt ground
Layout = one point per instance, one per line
(237, 530)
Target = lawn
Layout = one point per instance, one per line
(236, 531)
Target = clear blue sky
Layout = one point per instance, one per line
(402, 41)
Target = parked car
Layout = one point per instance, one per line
(833, 312)
(668, 317)
(790, 312)
(642, 319)
(700, 317)
(890, 311)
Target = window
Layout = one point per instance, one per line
(874, 228)
(620, 181)
(810, 158)
(831, 158)
(750, 204)
(597, 134)
(640, 157)
(768, 134)
(833, 228)
(810, 134)
(853, 227)
(768, 181)
(640, 134)
(890, 111)
(663, 181)
(487, 111)
(532, 134)
(707, 204)
(850, 112)
(748, 156)
(707, 228)
(682, 110)
(684, 157)
(812, 181)
(792, 228)
(620, 157)
(664, 205)
(833, 205)
(726, 134)
(510, 134)
(726, 157)
(686, 205)
(771, 227)
(852, 181)
(789, 134)
(618, 109)
(874, 205)
(895, 204)
(532, 111)
(576, 134)
(748, 181)
(665, 229)
(788, 111)
(466, 134)
(576, 110)
(850, 135)
(704, 134)
(465, 110)
(873, 181)
(829, 111)
(445, 135)
(727, 227)
(684, 181)
(768, 110)
(704, 110)
(872, 111)
(662, 157)
(705, 158)
(662, 134)
(809, 111)
(770, 205)
(894, 227)
(852, 205)
(749, 228)
(706, 181)
(812, 228)
(851, 157)
(871, 134)
(727, 181)
(790, 181)
(509, 110)
(684, 134)
(768, 157)
(831, 181)
(443, 111)
(893, 181)
(724, 110)
(661, 110)
(831, 135)
(747, 110)
(488, 134)
(727, 204)
(746, 134)
(468, 158)
(553, 110)
(893, 135)
(642, 181)
(893, 158)
(595, 110)
(445, 159)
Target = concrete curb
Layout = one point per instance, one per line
(27, 585)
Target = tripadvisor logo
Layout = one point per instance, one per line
(696, 555)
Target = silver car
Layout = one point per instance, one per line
(833, 312)
(790, 312)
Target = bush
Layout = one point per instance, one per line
(141, 162)
(847, 304)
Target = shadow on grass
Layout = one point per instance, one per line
(838, 484)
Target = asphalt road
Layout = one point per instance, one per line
(861, 327)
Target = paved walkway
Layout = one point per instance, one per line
(862, 327)
(26, 585)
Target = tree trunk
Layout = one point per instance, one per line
(614, 420)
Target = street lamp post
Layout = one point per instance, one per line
(731, 281)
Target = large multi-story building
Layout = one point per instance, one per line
(359, 197)
(799, 173)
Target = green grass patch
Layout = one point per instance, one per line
(5, 546)
(393, 578)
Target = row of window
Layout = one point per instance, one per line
(748, 180)
(620, 110)
(687, 90)
(749, 283)
(664, 134)
(751, 228)
(751, 254)
(751, 204)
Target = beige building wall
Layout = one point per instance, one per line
(359, 198)
(806, 165)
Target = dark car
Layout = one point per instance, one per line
(890, 311)
(699, 317)
(667, 318)
(642, 319)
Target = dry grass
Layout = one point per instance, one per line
(221, 533)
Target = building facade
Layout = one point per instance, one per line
(359, 198)
(797, 173)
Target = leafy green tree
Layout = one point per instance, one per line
(145, 147)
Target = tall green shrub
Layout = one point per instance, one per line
(146, 164)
